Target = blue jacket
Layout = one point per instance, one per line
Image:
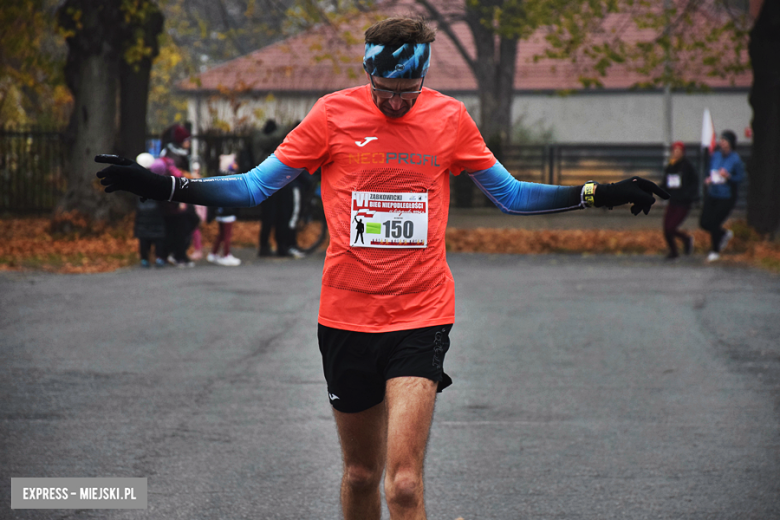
(732, 164)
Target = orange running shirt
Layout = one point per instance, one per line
(360, 150)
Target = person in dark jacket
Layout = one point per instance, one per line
(149, 227)
(180, 219)
(682, 183)
(726, 173)
(279, 212)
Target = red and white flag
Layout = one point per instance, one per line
(708, 137)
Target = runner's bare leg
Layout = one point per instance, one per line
(410, 402)
(363, 437)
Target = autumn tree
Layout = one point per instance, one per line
(111, 45)
(32, 87)
(689, 39)
(202, 33)
(144, 23)
(697, 39)
(496, 27)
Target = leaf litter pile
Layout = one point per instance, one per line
(29, 244)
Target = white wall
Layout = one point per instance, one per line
(202, 112)
(599, 117)
(631, 117)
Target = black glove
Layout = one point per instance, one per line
(127, 175)
(636, 191)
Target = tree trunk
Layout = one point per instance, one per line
(106, 118)
(134, 91)
(764, 188)
(133, 99)
(494, 70)
(92, 130)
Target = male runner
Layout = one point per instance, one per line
(386, 150)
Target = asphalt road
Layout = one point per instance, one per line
(585, 388)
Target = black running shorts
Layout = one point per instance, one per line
(358, 364)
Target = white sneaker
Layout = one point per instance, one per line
(713, 256)
(725, 240)
(171, 260)
(212, 258)
(228, 261)
(296, 253)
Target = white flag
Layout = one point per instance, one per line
(708, 136)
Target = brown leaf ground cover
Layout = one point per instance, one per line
(29, 244)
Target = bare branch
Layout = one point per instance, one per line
(231, 31)
(445, 26)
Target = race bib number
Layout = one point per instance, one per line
(389, 220)
(673, 181)
(716, 177)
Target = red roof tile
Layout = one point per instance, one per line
(320, 61)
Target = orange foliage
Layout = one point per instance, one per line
(594, 241)
(29, 244)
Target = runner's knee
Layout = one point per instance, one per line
(362, 478)
(404, 489)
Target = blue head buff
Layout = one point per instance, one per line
(410, 60)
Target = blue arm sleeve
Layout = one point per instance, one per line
(236, 191)
(525, 198)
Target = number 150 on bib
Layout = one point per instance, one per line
(389, 220)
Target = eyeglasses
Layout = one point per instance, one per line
(407, 95)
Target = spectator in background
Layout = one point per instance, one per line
(225, 218)
(288, 211)
(149, 226)
(180, 218)
(202, 212)
(280, 212)
(682, 183)
(175, 144)
(264, 143)
(726, 173)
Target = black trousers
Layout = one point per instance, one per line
(280, 213)
(145, 245)
(713, 215)
(178, 233)
(673, 217)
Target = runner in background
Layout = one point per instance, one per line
(726, 174)
(682, 183)
(386, 150)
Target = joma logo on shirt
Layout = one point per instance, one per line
(396, 158)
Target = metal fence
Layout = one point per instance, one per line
(31, 169)
(32, 177)
(573, 164)
(211, 146)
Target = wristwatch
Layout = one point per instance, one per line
(588, 190)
